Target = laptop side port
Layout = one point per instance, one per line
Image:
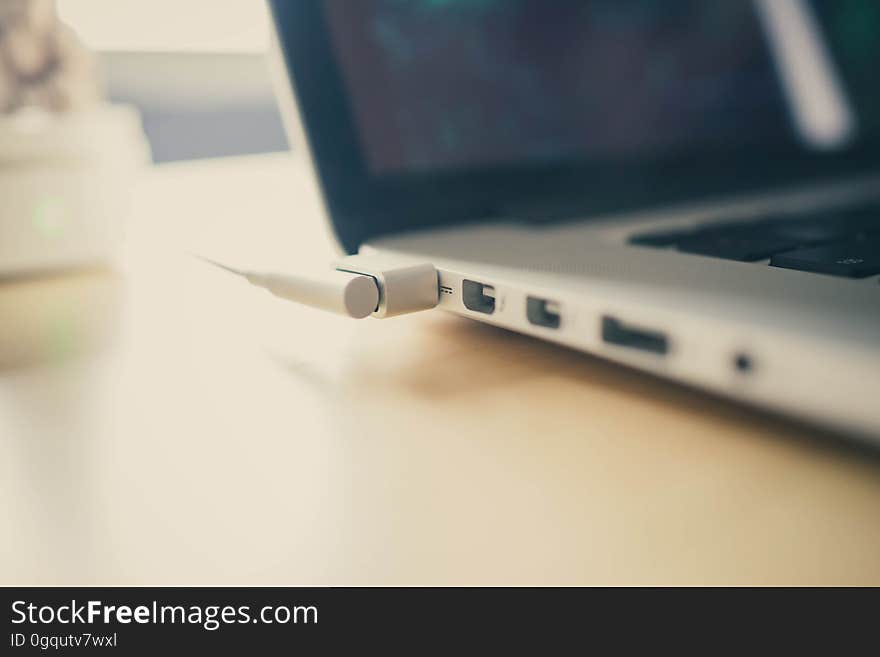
(623, 335)
(478, 297)
(541, 312)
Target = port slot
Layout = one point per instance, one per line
(478, 297)
(623, 335)
(541, 312)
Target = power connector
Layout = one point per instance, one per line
(358, 286)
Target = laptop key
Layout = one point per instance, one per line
(816, 230)
(745, 245)
(855, 258)
(753, 240)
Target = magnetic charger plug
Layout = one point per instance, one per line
(357, 287)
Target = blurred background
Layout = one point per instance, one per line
(199, 77)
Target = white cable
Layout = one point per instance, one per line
(359, 286)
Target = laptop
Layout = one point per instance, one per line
(687, 187)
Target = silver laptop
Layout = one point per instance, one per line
(688, 187)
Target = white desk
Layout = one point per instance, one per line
(168, 425)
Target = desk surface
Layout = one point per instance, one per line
(163, 424)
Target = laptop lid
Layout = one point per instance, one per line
(430, 112)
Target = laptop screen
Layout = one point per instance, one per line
(439, 85)
(425, 113)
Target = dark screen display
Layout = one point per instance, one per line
(463, 83)
(440, 84)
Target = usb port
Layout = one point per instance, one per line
(616, 332)
(541, 312)
(478, 297)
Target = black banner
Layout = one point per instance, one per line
(235, 620)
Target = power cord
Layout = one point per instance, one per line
(357, 286)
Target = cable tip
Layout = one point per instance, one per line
(220, 265)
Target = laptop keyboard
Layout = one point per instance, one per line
(838, 242)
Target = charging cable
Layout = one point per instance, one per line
(357, 286)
